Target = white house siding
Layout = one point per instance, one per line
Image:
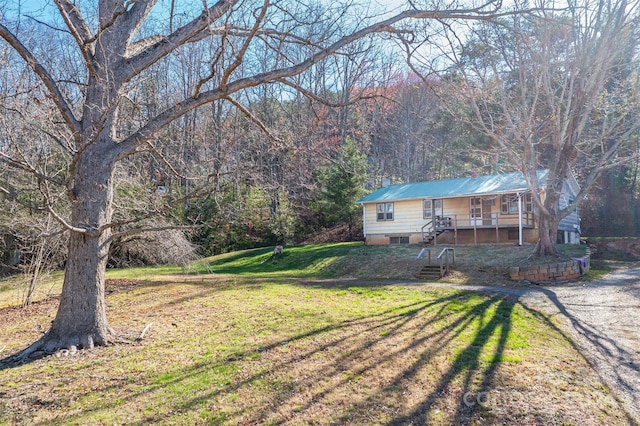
(569, 227)
(407, 218)
(408, 213)
(570, 223)
(458, 207)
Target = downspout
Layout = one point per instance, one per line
(519, 219)
(364, 223)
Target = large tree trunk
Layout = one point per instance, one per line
(547, 242)
(81, 320)
(548, 226)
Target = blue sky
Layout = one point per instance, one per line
(40, 8)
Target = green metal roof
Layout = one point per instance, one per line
(451, 188)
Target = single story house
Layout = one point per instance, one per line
(474, 210)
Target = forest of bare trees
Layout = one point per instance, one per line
(127, 126)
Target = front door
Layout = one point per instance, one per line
(475, 211)
(486, 211)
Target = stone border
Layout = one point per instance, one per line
(562, 271)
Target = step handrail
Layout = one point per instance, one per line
(420, 258)
(429, 231)
(423, 251)
(444, 269)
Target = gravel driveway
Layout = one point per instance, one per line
(603, 317)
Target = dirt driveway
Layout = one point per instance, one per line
(603, 317)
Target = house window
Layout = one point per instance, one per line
(528, 203)
(384, 211)
(427, 209)
(509, 203)
(398, 240)
(431, 208)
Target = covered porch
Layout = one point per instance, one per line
(471, 228)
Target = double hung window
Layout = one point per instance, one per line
(509, 203)
(384, 211)
(431, 208)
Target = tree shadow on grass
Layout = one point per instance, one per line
(331, 360)
(184, 375)
(343, 372)
(465, 365)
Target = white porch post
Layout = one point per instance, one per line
(519, 219)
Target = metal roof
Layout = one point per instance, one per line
(451, 188)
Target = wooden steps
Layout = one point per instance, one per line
(429, 272)
(431, 236)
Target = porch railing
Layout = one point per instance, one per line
(494, 220)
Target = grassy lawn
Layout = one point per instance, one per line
(272, 341)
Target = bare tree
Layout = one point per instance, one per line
(95, 131)
(554, 92)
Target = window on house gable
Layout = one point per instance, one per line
(509, 203)
(384, 211)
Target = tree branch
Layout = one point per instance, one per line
(48, 206)
(147, 57)
(137, 14)
(324, 101)
(245, 46)
(47, 79)
(25, 166)
(152, 229)
(196, 193)
(253, 118)
(130, 145)
(79, 30)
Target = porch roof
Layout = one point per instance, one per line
(452, 188)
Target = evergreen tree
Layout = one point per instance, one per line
(341, 184)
